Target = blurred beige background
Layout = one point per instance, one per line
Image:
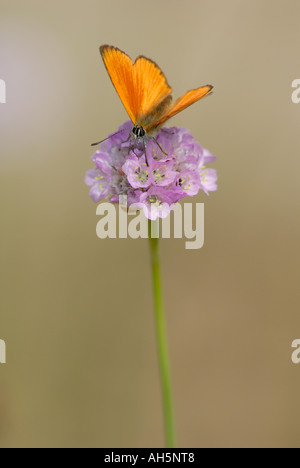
(76, 312)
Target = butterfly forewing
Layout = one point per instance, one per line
(151, 85)
(140, 86)
(119, 67)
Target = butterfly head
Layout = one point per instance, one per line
(138, 131)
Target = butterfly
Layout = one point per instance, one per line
(144, 91)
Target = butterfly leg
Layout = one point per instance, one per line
(131, 146)
(145, 146)
(163, 151)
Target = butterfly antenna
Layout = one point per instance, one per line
(166, 131)
(110, 136)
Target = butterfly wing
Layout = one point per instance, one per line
(180, 104)
(151, 85)
(140, 86)
(120, 69)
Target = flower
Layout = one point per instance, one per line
(188, 182)
(99, 178)
(138, 172)
(154, 172)
(156, 202)
(163, 173)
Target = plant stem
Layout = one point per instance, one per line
(162, 341)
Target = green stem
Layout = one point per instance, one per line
(162, 341)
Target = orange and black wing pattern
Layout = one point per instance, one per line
(144, 90)
(141, 86)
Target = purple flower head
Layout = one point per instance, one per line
(155, 172)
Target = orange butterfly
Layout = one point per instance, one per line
(144, 90)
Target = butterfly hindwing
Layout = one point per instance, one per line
(180, 104)
(149, 120)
